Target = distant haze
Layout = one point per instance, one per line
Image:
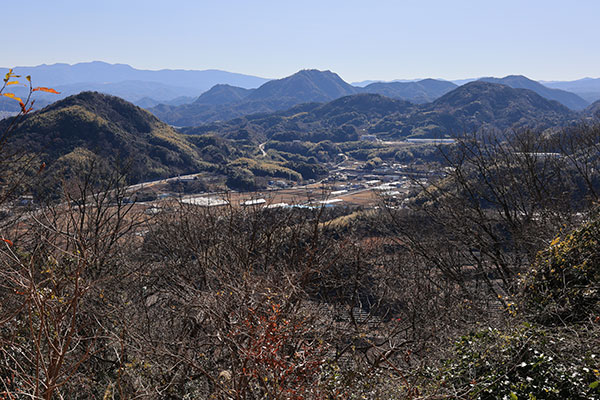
(383, 40)
(182, 97)
(144, 87)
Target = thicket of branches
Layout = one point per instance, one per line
(103, 300)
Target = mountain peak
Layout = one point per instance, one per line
(515, 76)
(568, 99)
(313, 72)
(223, 93)
(489, 98)
(110, 127)
(106, 107)
(308, 85)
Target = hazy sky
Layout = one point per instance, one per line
(548, 40)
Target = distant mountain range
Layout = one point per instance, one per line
(317, 105)
(189, 89)
(369, 81)
(468, 108)
(226, 102)
(586, 88)
(223, 103)
(129, 83)
(424, 91)
(306, 86)
(73, 130)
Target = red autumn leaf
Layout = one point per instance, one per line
(45, 89)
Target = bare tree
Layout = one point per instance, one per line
(502, 199)
(55, 319)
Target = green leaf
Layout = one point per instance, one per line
(513, 396)
(594, 385)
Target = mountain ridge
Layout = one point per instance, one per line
(568, 99)
(423, 91)
(63, 74)
(305, 86)
(323, 86)
(471, 107)
(586, 88)
(126, 81)
(309, 85)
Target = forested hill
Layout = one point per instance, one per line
(303, 87)
(223, 94)
(72, 132)
(225, 102)
(468, 108)
(478, 104)
(72, 129)
(593, 110)
(568, 99)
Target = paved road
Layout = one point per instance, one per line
(138, 186)
(262, 149)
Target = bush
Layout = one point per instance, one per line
(241, 179)
(259, 168)
(373, 163)
(186, 186)
(564, 283)
(523, 363)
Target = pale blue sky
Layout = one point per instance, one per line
(548, 40)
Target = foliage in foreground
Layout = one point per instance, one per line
(525, 362)
(564, 285)
(101, 299)
(560, 360)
